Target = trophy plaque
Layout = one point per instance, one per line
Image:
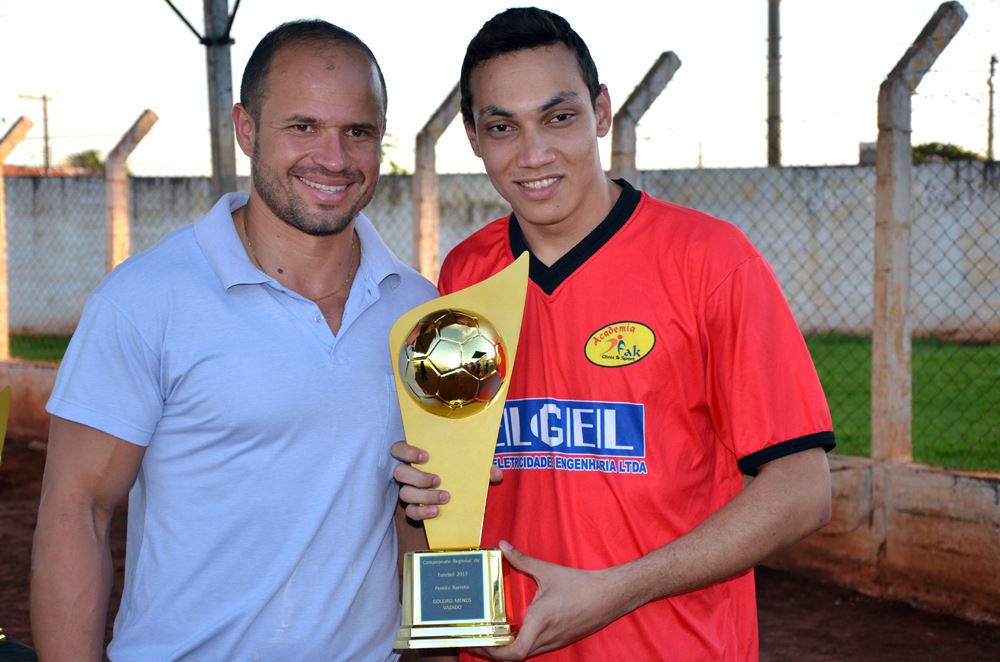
(453, 358)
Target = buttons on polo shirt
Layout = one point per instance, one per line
(318, 318)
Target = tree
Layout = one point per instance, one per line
(89, 160)
(942, 153)
(390, 144)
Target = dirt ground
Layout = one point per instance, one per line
(800, 619)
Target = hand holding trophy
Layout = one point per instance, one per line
(453, 360)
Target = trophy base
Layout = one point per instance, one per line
(453, 599)
(453, 636)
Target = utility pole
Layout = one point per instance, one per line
(773, 83)
(220, 94)
(45, 126)
(989, 121)
(218, 23)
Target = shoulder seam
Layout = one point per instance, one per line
(131, 323)
(729, 274)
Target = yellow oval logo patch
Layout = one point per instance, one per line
(620, 344)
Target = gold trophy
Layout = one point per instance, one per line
(454, 357)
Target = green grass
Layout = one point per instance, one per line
(956, 395)
(844, 367)
(38, 348)
(956, 399)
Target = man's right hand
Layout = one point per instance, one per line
(418, 488)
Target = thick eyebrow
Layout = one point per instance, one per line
(300, 119)
(561, 97)
(558, 98)
(494, 111)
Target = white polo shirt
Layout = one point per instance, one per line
(260, 526)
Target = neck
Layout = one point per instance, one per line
(549, 242)
(319, 268)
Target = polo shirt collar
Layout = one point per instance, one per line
(378, 263)
(216, 235)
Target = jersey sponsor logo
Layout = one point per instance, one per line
(568, 463)
(572, 427)
(619, 344)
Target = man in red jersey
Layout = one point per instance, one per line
(659, 364)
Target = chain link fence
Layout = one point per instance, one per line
(54, 259)
(391, 212)
(58, 246)
(955, 313)
(814, 224)
(467, 203)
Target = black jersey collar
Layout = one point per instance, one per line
(549, 278)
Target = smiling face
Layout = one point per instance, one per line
(315, 148)
(536, 130)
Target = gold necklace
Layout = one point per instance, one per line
(350, 272)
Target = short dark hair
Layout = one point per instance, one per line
(518, 29)
(317, 32)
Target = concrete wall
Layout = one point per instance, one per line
(30, 385)
(57, 242)
(909, 532)
(815, 225)
(901, 531)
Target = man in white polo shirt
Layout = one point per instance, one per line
(235, 381)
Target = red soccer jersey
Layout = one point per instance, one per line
(658, 361)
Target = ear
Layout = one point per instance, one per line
(246, 131)
(602, 112)
(470, 131)
(383, 128)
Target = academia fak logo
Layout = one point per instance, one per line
(620, 344)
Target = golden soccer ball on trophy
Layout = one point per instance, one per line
(453, 363)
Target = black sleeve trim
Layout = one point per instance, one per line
(749, 464)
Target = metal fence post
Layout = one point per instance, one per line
(774, 82)
(116, 186)
(625, 120)
(426, 203)
(14, 135)
(891, 343)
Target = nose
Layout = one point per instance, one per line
(534, 150)
(331, 151)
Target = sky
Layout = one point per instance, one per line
(102, 62)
